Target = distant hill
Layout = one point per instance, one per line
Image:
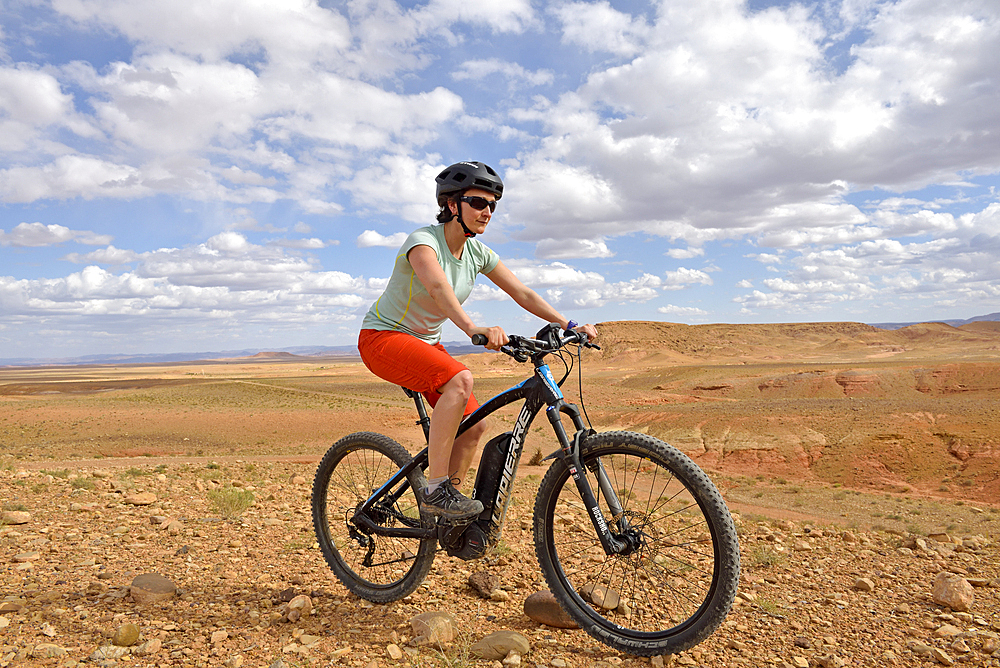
(464, 348)
(991, 317)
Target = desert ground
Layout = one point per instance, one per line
(860, 464)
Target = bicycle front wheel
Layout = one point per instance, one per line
(377, 568)
(675, 582)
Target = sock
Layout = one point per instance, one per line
(434, 483)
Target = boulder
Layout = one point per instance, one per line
(433, 628)
(953, 591)
(497, 645)
(152, 588)
(543, 607)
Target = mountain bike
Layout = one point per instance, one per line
(634, 540)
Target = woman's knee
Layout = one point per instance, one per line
(461, 382)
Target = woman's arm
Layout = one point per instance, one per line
(530, 300)
(424, 261)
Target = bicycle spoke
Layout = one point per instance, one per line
(666, 574)
(376, 567)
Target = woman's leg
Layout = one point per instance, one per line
(445, 418)
(464, 450)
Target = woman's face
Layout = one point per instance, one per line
(475, 220)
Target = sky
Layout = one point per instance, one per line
(180, 176)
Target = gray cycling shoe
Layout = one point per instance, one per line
(450, 504)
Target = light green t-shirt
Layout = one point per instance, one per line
(406, 305)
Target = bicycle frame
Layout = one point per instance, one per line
(541, 389)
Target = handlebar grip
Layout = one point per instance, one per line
(479, 340)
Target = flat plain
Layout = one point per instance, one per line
(845, 452)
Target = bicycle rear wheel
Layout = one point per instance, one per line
(376, 568)
(676, 581)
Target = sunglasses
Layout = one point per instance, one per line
(479, 203)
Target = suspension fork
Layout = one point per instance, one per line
(570, 456)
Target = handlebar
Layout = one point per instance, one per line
(522, 347)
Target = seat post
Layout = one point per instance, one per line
(425, 420)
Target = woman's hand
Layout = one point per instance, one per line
(589, 330)
(496, 337)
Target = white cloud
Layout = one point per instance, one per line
(227, 277)
(37, 234)
(71, 176)
(398, 185)
(109, 255)
(596, 26)
(670, 309)
(564, 249)
(683, 277)
(483, 70)
(305, 244)
(32, 101)
(567, 287)
(371, 238)
(685, 253)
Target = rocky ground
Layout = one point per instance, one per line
(253, 590)
(863, 465)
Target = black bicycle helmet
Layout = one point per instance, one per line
(465, 175)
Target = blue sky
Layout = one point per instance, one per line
(181, 176)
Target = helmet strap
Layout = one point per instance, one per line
(468, 233)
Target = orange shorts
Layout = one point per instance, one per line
(405, 360)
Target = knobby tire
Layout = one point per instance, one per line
(678, 582)
(376, 568)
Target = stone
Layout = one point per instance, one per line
(497, 645)
(483, 583)
(300, 606)
(942, 657)
(602, 597)
(219, 636)
(141, 499)
(392, 649)
(953, 591)
(25, 557)
(125, 635)
(864, 584)
(108, 652)
(543, 608)
(15, 517)
(148, 648)
(499, 595)
(152, 588)
(961, 646)
(947, 631)
(433, 628)
(513, 660)
(47, 650)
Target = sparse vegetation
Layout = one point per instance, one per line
(230, 502)
(765, 557)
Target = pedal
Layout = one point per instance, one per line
(452, 523)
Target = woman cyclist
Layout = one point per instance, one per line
(432, 277)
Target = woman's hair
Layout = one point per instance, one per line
(445, 214)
